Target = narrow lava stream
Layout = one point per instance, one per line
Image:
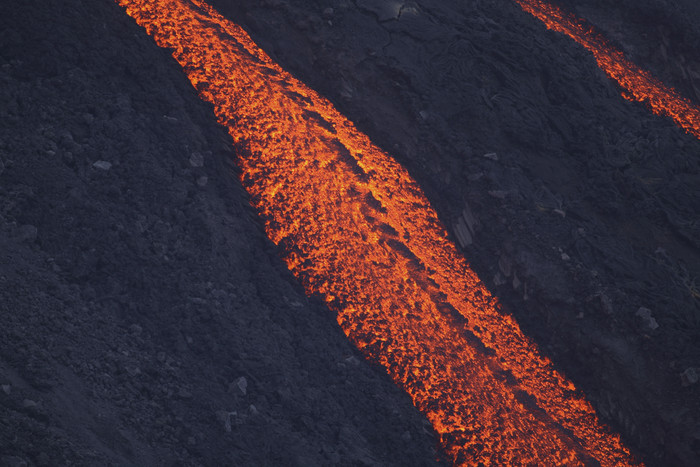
(637, 83)
(356, 230)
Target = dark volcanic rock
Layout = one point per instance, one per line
(146, 293)
(136, 283)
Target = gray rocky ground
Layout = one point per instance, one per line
(146, 319)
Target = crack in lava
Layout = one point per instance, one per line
(639, 84)
(356, 230)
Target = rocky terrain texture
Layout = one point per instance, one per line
(147, 320)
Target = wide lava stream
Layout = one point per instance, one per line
(357, 231)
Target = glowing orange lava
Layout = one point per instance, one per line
(358, 231)
(639, 84)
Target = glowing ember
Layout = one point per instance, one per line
(637, 83)
(359, 232)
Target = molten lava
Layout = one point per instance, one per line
(637, 83)
(358, 231)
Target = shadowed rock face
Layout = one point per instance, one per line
(137, 288)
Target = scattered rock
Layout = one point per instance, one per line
(498, 279)
(197, 159)
(225, 418)
(102, 165)
(242, 385)
(690, 376)
(383, 11)
(66, 140)
(465, 227)
(516, 281)
(203, 341)
(505, 264)
(647, 319)
(352, 360)
(606, 304)
(27, 233)
(28, 404)
(7, 389)
(464, 236)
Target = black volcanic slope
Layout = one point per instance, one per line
(145, 318)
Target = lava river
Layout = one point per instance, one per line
(637, 83)
(357, 231)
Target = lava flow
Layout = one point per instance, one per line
(358, 231)
(639, 84)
